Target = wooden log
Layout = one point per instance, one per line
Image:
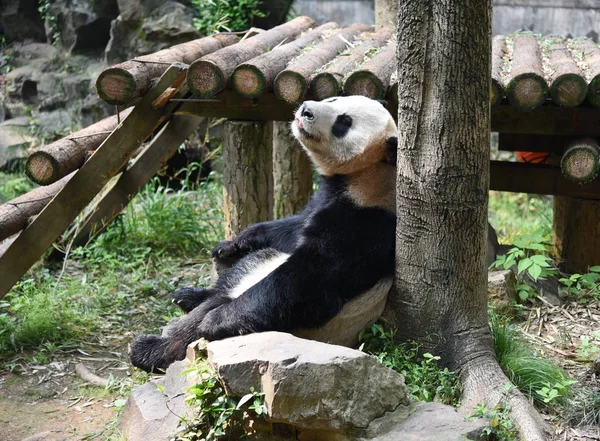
(580, 161)
(591, 57)
(328, 81)
(121, 83)
(520, 177)
(209, 75)
(15, 214)
(525, 85)
(54, 161)
(153, 156)
(291, 83)
(247, 174)
(568, 87)
(87, 182)
(373, 77)
(292, 173)
(497, 92)
(576, 233)
(255, 77)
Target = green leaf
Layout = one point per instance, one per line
(523, 265)
(540, 260)
(119, 403)
(534, 271)
(523, 295)
(595, 269)
(537, 247)
(161, 388)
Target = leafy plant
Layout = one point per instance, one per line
(50, 19)
(534, 375)
(501, 427)
(589, 348)
(216, 413)
(528, 255)
(422, 374)
(228, 15)
(14, 185)
(517, 214)
(583, 286)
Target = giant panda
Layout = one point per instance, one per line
(323, 274)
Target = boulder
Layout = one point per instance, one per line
(308, 384)
(15, 140)
(23, 54)
(21, 20)
(84, 25)
(501, 289)
(154, 415)
(170, 23)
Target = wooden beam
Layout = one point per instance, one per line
(131, 181)
(518, 142)
(547, 120)
(88, 181)
(520, 177)
(230, 105)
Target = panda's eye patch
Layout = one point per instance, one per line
(342, 125)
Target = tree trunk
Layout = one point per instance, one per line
(292, 173)
(442, 190)
(576, 233)
(247, 174)
(386, 13)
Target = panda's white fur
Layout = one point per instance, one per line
(324, 273)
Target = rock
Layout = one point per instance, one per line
(23, 54)
(168, 24)
(501, 289)
(153, 415)
(84, 25)
(77, 87)
(432, 422)
(55, 122)
(306, 383)
(21, 20)
(15, 141)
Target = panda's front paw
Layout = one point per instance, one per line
(154, 354)
(228, 252)
(189, 298)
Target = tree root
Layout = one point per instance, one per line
(484, 382)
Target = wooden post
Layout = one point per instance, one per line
(576, 233)
(247, 174)
(292, 173)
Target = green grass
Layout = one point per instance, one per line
(519, 214)
(13, 185)
(536, 376)
(120, 282)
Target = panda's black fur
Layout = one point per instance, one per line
(335, 253)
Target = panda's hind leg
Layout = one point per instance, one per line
(189, 298)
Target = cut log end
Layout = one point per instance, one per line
(569, 90)
(116, 86)
(249, 81)
(205, 78)
(593, 95)
(580, 162)
(41, 168)
(290, 86)
(496, 93)
(325, 85)
(527, 91)
(364, 83)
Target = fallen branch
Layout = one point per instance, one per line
(89, 377)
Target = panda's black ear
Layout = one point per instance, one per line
(382, 102)
(391, 150)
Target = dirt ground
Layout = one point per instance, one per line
(52, 402)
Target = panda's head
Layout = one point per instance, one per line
(343, 135)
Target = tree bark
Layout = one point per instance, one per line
(256, 76)
(209, 75)
(576, 233)
(54, 161)
(247, 174)
(442, 190)
(292, 173)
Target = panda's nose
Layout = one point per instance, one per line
(306, 113)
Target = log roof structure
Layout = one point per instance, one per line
(544, 96)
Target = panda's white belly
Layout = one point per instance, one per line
(355, 315)
(257, 273)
